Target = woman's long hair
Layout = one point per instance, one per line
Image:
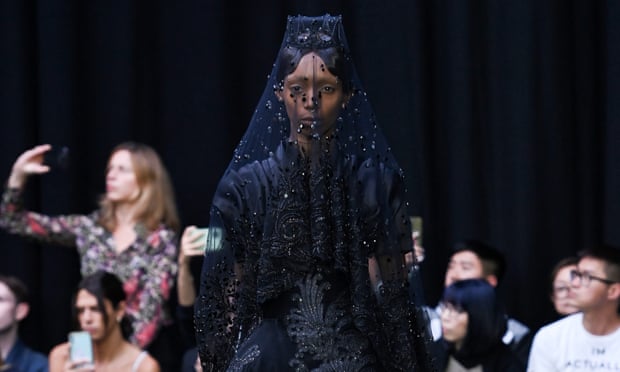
(487, 319)
(156, 203)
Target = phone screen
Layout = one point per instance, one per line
(211, 237)
(81, 347)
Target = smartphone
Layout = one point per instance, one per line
(212, 235)
(416, 227)
(201, 233)
(57, 158)
(81, 347)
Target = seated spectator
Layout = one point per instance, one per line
(560, 286)
(473, 259)
(473, 323)
(588, 340)
(99, 308)
(14, 308)
(192, 243)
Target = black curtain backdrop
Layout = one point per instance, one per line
(503, 114)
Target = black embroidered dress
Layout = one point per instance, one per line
(309, 273)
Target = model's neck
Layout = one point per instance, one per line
(8, 337)
(601, 322)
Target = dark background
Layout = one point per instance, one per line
(503, 114)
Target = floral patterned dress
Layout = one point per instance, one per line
(147, 267)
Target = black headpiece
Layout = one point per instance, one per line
(314, 32)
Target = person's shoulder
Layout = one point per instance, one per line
(149, 364)
(146, 363)
(567, 323)
(58, 355)
(29, 360)
(60, 349)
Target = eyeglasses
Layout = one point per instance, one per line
(450, 310)
(585, 278)
(561, 292)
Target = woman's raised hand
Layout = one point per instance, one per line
(29, 162)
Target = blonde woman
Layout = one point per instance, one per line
(132, 234)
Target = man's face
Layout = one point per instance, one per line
(463, 265)
(91, 318)
(8, 309)
(589, 295)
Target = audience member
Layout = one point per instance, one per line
(132, 234)
(590, 339)
(99, 309)
(560, 286)
(192, 245)
(474, 259)
(473, 323)
(14, 307)
(310, 273)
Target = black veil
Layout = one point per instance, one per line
(337, 207)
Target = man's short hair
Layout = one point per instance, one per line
(19, 289)
(608, 253)
(493, 261)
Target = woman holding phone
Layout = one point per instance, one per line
(99, 313)
(132, 234)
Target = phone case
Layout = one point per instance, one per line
(81, 347)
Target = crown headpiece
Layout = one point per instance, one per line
(314, 32)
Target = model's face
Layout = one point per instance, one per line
(463, 265)
(454, 324)
(8, 309)
(91, 318)
(561, 298)
(313, 97)
(121, 183)
(587, 296)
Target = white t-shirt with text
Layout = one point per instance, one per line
(566, 346)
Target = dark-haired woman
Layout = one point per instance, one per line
(473, 323)
(99, 309)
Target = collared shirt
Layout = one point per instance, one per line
(23, 359)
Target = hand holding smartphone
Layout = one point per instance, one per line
(81, 348)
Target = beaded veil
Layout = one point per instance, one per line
(327, 223)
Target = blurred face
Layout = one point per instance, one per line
(91, 318)
(313, 97)
(463, 265)
(561, 299)
(121, 183)
(8, 309)
(454, 324)
(589, 296)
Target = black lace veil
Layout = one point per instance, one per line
(312, 206)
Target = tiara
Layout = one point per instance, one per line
(314, 32)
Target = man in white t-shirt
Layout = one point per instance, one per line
(589, 340)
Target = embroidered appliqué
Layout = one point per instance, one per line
(321, 332)
(239, 361)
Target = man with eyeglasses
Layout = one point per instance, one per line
(590, 339)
